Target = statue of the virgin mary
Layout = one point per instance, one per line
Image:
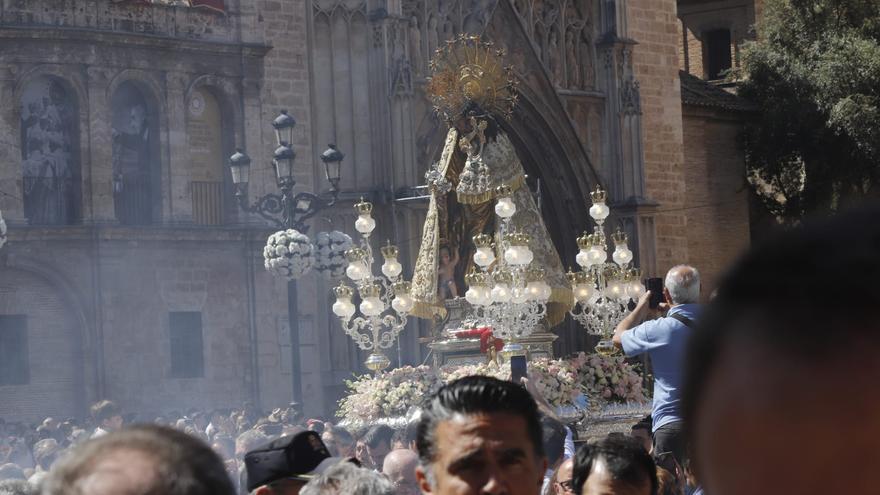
(473, 93)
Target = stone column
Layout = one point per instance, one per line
(179, 179)
(100, 144)
(11, 203)
(625, 177)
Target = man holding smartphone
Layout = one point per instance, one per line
(664, 339)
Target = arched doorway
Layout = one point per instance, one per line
(42, 349)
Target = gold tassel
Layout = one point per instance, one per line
(475, 199)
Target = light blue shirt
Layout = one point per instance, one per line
(664, 340)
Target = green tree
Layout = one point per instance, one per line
(814, 72)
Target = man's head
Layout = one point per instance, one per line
(107, 415)
(779, 373)
(249, 441)
(641, 431)
(553, 435)
(140, 460)
(563, 478)
(339, 441)
(480, 435)
(682, 285)
(400, 468)
(445, 255)
(285, 465)
(378, 442)
(346, 478)
(615, 465)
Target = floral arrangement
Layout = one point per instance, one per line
(387, 394)
(288, 254)
(329, 251)
(561, 381)
(609, 378)
(3, 237)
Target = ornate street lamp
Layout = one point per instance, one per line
(385, 300)
(602, 291)
(288, 212)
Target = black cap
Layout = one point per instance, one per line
(300, 457)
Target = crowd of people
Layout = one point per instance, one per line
(767, 390)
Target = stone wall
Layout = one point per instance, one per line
(125, 280)
(652, 23)
(716, 196)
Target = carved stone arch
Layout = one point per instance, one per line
(71, 78)
(71, 297)
(226, 92)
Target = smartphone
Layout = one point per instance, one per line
(655, 285)
(518, 369)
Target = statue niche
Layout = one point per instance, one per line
(49, 153)
(135, 168)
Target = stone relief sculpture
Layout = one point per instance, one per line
(415, 45)
(132, 147)
(48, 152)
(562, 34)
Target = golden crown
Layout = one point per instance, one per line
(343, 291)
(503, 191)
(369, 290)
(389, 251)
(476, 278)
(535, 274)
(469, 70)
(402, 287)
(633, 275)
(355, 254)
(363, 207)
(619, 237)
(584, 241)
(599, 195)
(483, 240)
(518, 238)
(502, 277)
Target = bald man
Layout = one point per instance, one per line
(664, 340)
(400, 467)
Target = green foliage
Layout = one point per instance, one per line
(815, 74)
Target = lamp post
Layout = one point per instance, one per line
(287, 210)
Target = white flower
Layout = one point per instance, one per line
(288, 254)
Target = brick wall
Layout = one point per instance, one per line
(716, 195)
(653, 24)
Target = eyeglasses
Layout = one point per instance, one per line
(567, 485)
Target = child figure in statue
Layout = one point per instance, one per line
(446, 288)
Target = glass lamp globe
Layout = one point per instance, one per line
(597, 255)
(403, 303)
(505, 207)
(500, 293)
(365, 224)
(622, 255)
(519, 295)
(635, 289)
(391, 268)
(356, 270)
(582, 292)
(484, 256)
(343, 308)
(372, 306)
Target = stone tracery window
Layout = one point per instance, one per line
(50, 153)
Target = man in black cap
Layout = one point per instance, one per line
(285, 465)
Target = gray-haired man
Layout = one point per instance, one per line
(664, 340)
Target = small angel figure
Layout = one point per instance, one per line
(446, 288)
